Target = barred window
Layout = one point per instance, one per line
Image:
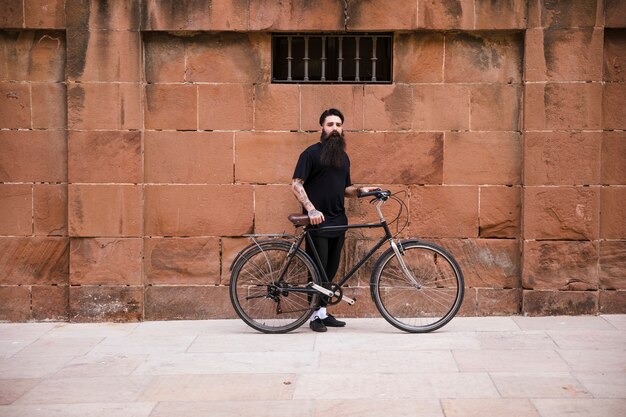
(332, 58)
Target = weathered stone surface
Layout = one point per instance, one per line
(48, 106)
(612, 302)
(359, 210)
(509, 14)
(446, 14)
(104, 156)
(296, 15)
(14, 106)
(561, 213)
(564, 266)
(363, 307)
(495, 107)
(198, 210)
(225, 106)
(85, 104)
(615, 55)
(33, 156)
(230, 248)
(105, 210)
(482, 158)
(364, 15)
(188, 157)
(614, 110)
(396, 158)
(500, 212)
(422, 57)
(612, 265)
(16, 202)
(354, 250)
(388, 107)
(277, 107)
(50, 209)
(496, 302)
(469, 307)
(557, 14)
(29, 55)
(34, 260)
(171, 107)
(116, 304)
(227, 15)
(444, 211)
(483, 57)
(317, 98)
(182, 261)
(44, 14)
(613, 213)
(14, 303)
(562, 158)
(50, 302)
(559, 303)
(103, 261)
(272, 205)
(12, 14)
(614, 14)
(188, 303)
(428, 100)
(98, 15)
(269, 158)
(164, 57)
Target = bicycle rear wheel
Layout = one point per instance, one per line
(427, 299)
(263, 299)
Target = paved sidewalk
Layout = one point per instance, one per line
(494, 366)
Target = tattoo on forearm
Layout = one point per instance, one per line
(300, 193)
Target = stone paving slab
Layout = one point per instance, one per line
(495, 366)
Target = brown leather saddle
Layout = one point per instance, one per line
(299, 219)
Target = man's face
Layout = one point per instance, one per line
(332, 124)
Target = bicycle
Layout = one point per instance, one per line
(275, 285)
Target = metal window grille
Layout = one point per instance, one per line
(332, 58)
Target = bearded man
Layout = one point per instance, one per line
(321, 180)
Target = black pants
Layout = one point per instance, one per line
(329, 251)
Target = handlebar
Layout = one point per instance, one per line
(379, 194)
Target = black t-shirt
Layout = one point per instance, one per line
(325, 186)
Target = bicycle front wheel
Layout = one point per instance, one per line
(424, 297)
(267, 299)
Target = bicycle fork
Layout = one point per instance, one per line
(407, 273)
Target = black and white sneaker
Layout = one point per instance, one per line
(317, 325)
(331, 321)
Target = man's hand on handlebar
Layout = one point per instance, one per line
(315, 216)
(373, 191)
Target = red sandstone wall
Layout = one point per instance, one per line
(140, 140)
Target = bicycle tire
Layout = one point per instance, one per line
(260, 301)
(402, 303)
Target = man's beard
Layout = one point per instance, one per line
(333, 149)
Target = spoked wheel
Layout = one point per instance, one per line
(262, 299)
(427, 297)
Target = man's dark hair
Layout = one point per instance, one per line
(330, 112)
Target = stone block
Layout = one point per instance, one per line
(164, 57)
(428, 100)
(486, 263)
(269, 158)
(50, 302)
(559, 303)
(564, 106)
(15, 107)
(188, 303)
(104, 156)
(97, 15)
(272, 205)
(443, 211)
(105, 210)
(174, 261)
(230, 249)
(613, 213)
(216, 15)
(34, 260)
(85, 104)
(103, 55)
(556, 14)
(225, 106)
(613, 170)
(500, 212)
(483, 57)
(510, 14)
(16, 206)
(388, 107)
(49, 109)
(354, 250)
(198, 210)
(317, 98)
(495, 107)
(364, 307)
(612, 265)
(562, 158)
(614, 55)
(366, 15)
(497, 302)
(50, 209)
(612, 302)
(12, 14)
(103, 261)
(482, 158)
(277, 107)
(446, 14)
(44, 14)
(171, 107)
(469, 307)
(558, 265)
(188, 157)
(396, 157)
(421, 57)
(101, 304)
(30, 55)
(562, 213)
(33, 156)
(14, 302)
(614, 14)
(613, 106)
(297, 15)
(242, 57)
